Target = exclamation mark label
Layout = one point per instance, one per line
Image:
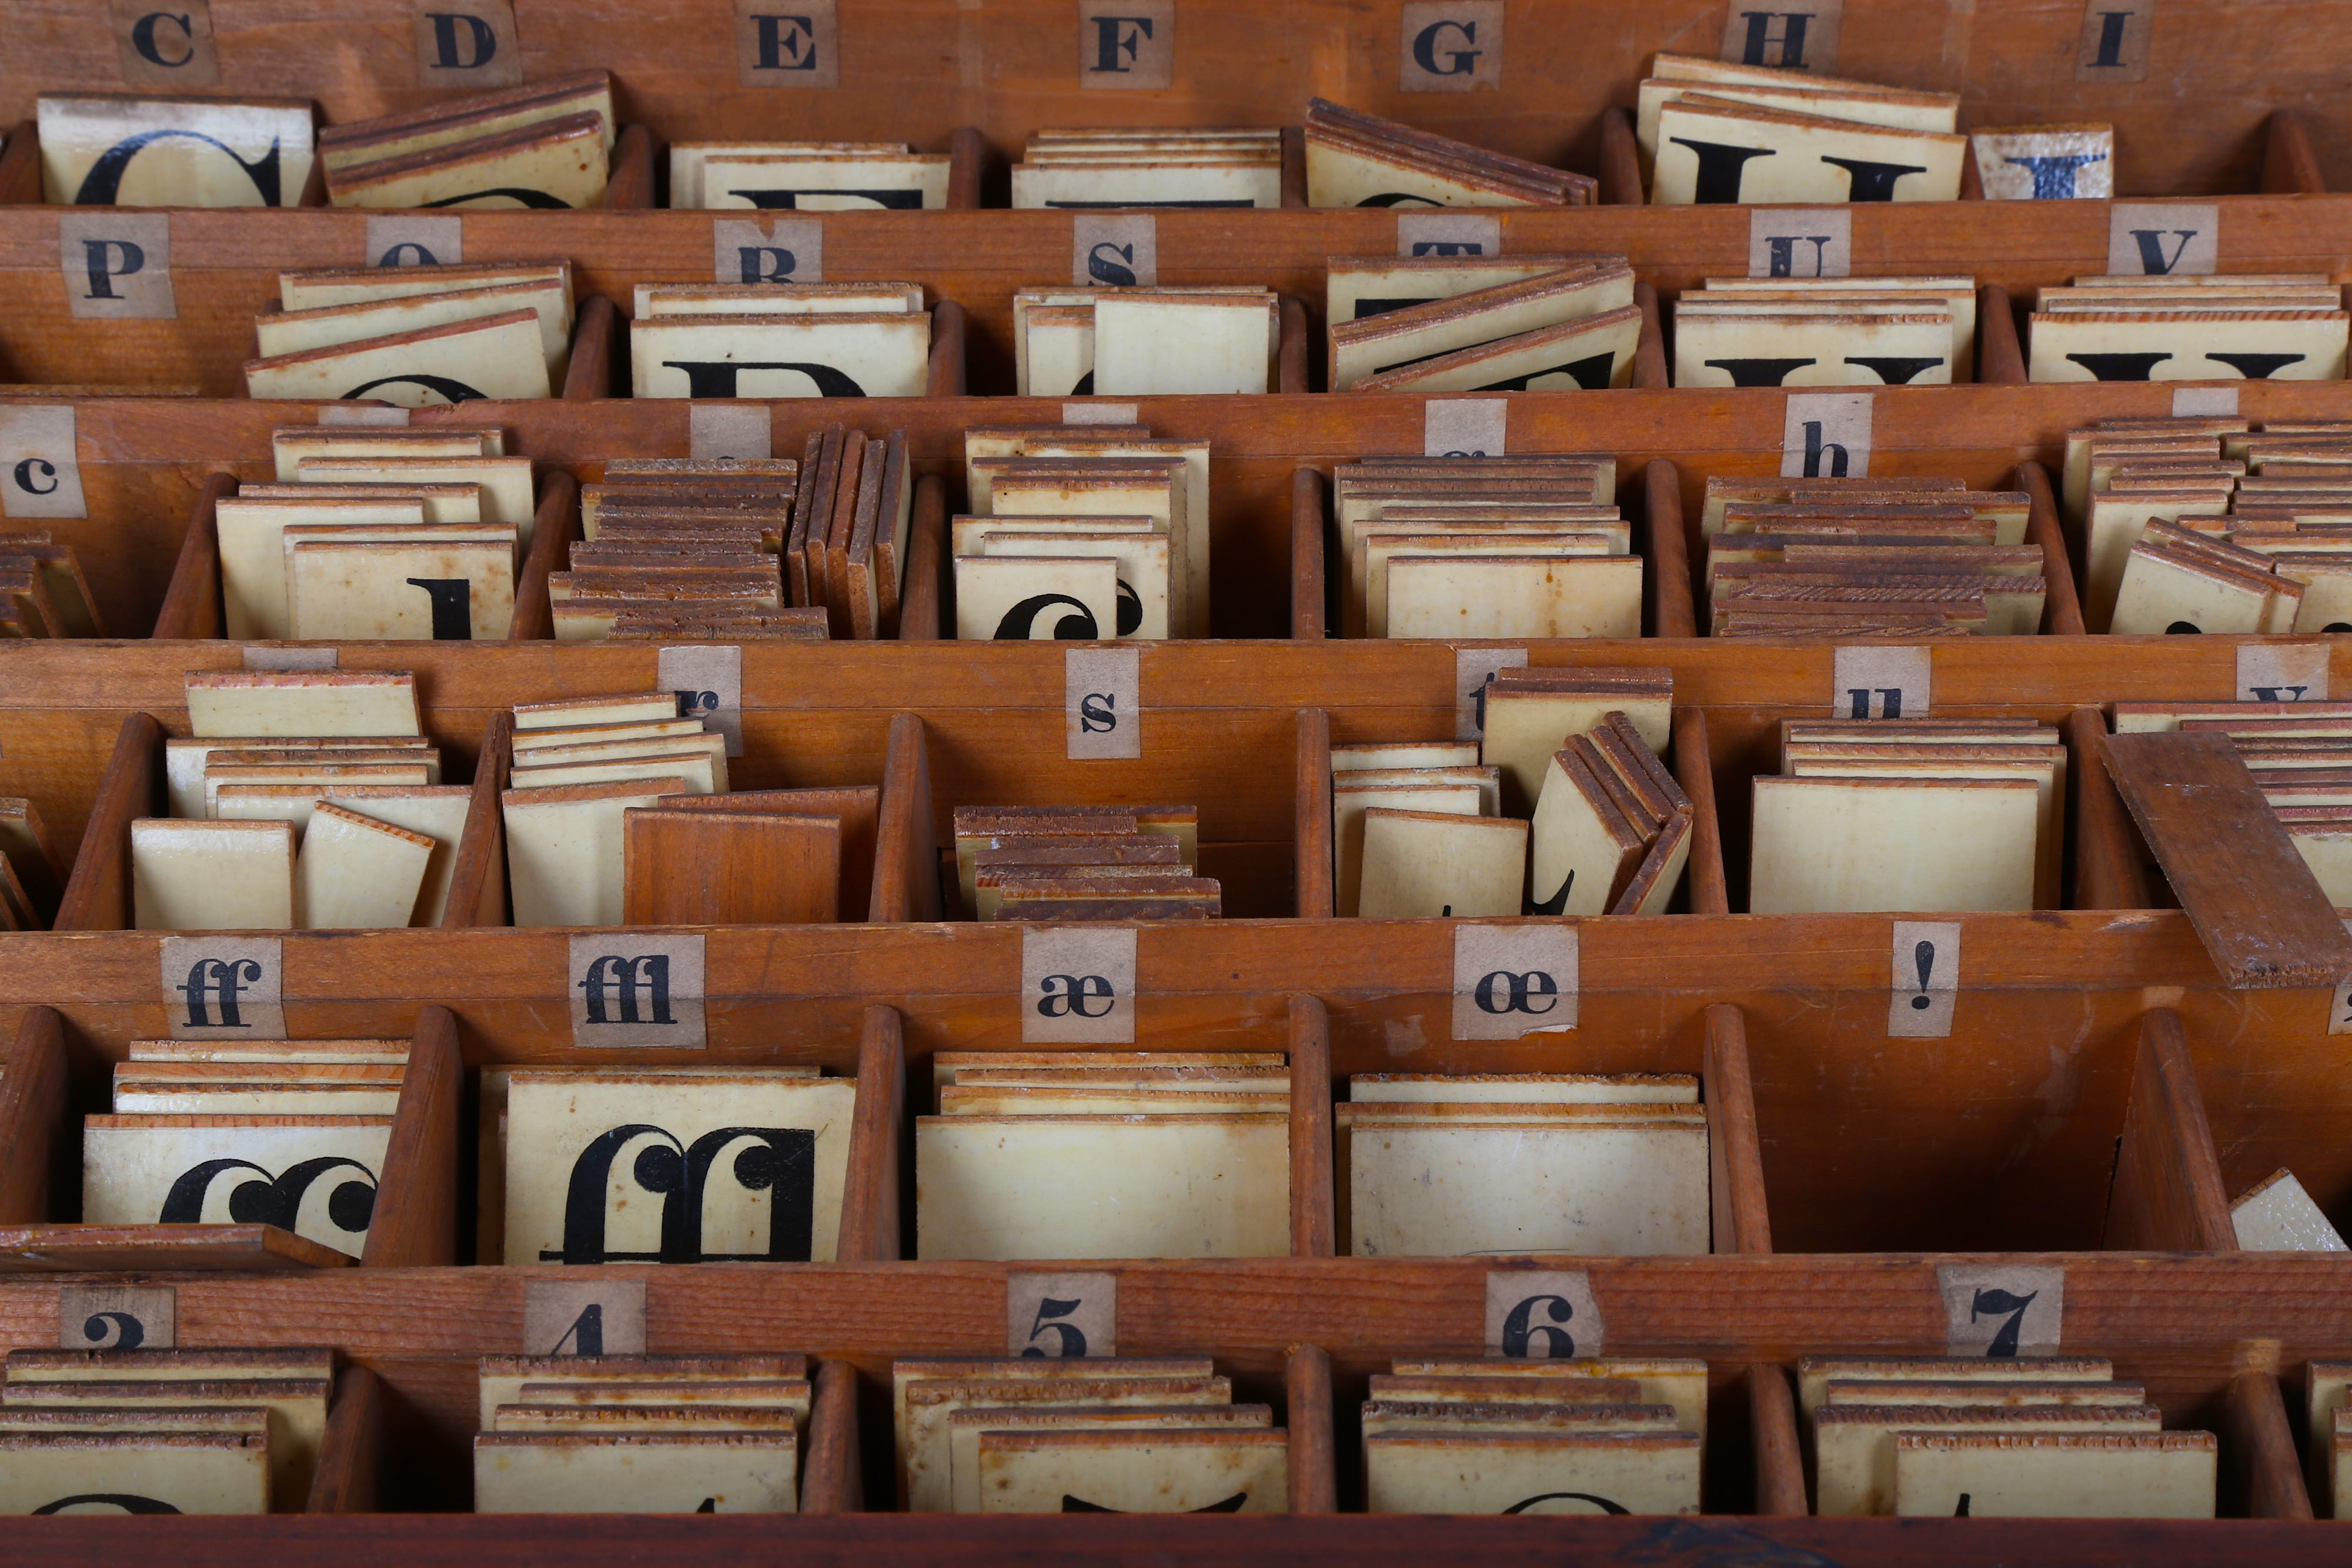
(1924, 954)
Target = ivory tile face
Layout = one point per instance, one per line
(1134, 1472)
(212, 877)
(1641, 1473)
(507, 496)
(2167, 1475)
(2278, 1216)
(1028, 598)
(441, 592)
(1589, 355)
(1591, 1188)
(1514, 597)
(1854, 1445)
(778, 299)
(501, 356)
(928, 1406)
(504, 1377)
(313, 1176)
(358, 871)
(611, 1166)
(302, 702)
(1181, 1186)
(1826, 350)
(848, 355)
(565, 850)
(451, 122)
(1822, 845)
(1816, 1372)
(1178, 347)
(1419, 864)
(253, 554)
(642, 1472)
(316, 289)
(1143, 185)
(965, 1429)
(559, 163)
(125, 150)
(820, 182)
(1715, 150)
(1143, 571)
(296, 1412)
(2216, 344)
(1525, 1088)
(94, 1473)
(1358, 287)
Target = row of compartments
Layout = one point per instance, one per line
(164, 301)
(1947, 1149)
(2212, 1342)
(692, 70)
(1269, 835)
(978, 171)
(132, 494)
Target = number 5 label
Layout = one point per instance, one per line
(1541, 1315)
(1061, 1317)
(2002, 1311)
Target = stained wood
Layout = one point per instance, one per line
(351, 1454)
(1307, 582)
(830, 1477)
(32, 1114)
(1650, 371)
(905, 854)
(98, 897)
(1313, 1225)
(588, 375)
(1665, 541)
(2168, 1195)
(2258, 1448)
(2110, 868)
(954, 1540)
(869, 1200)
(729, 868)
(2001, 357)
(1778, 1458)
(857, 807)
(416, 1221)
(20, 165)
(1293, 349)
(946, 372)
(555, 524)
(2253, 901)
(191, 606)
(1311, 824)
(478, 881)
(162, 1250)
(1621, 165)
(2289, 163)
(967, 152)
(2061, 611)
(918, 604)
(1707, 891)
(1306, 1412)
(1735, 1164)
(631, 182)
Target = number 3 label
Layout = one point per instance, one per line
(1541, 1315)
(2001, 1312)
(1061, 1317)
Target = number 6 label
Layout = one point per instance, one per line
(2001, 1310)
(1061, 1317)
(1541, 1315)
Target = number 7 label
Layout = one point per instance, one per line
(2001, 1310)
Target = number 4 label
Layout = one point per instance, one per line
(585, 1317)
(1541, 1315)
(1061, 1317)
(2001, 1310)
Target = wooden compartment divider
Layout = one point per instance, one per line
(351, 1454)
(1306, 1412)
(2168, 1194)
(1314, 1228)
(831, 1479)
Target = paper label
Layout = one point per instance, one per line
(117, 1318)
(1077, 983)
(1057, 1317)
(636, 989)
(1103, 702)
(1534, 1314)
(224, 988)
(404, 239)
(1926, 982)
(1514, 980)
(2001, 1310)
(584, 1317)
(40, 462)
